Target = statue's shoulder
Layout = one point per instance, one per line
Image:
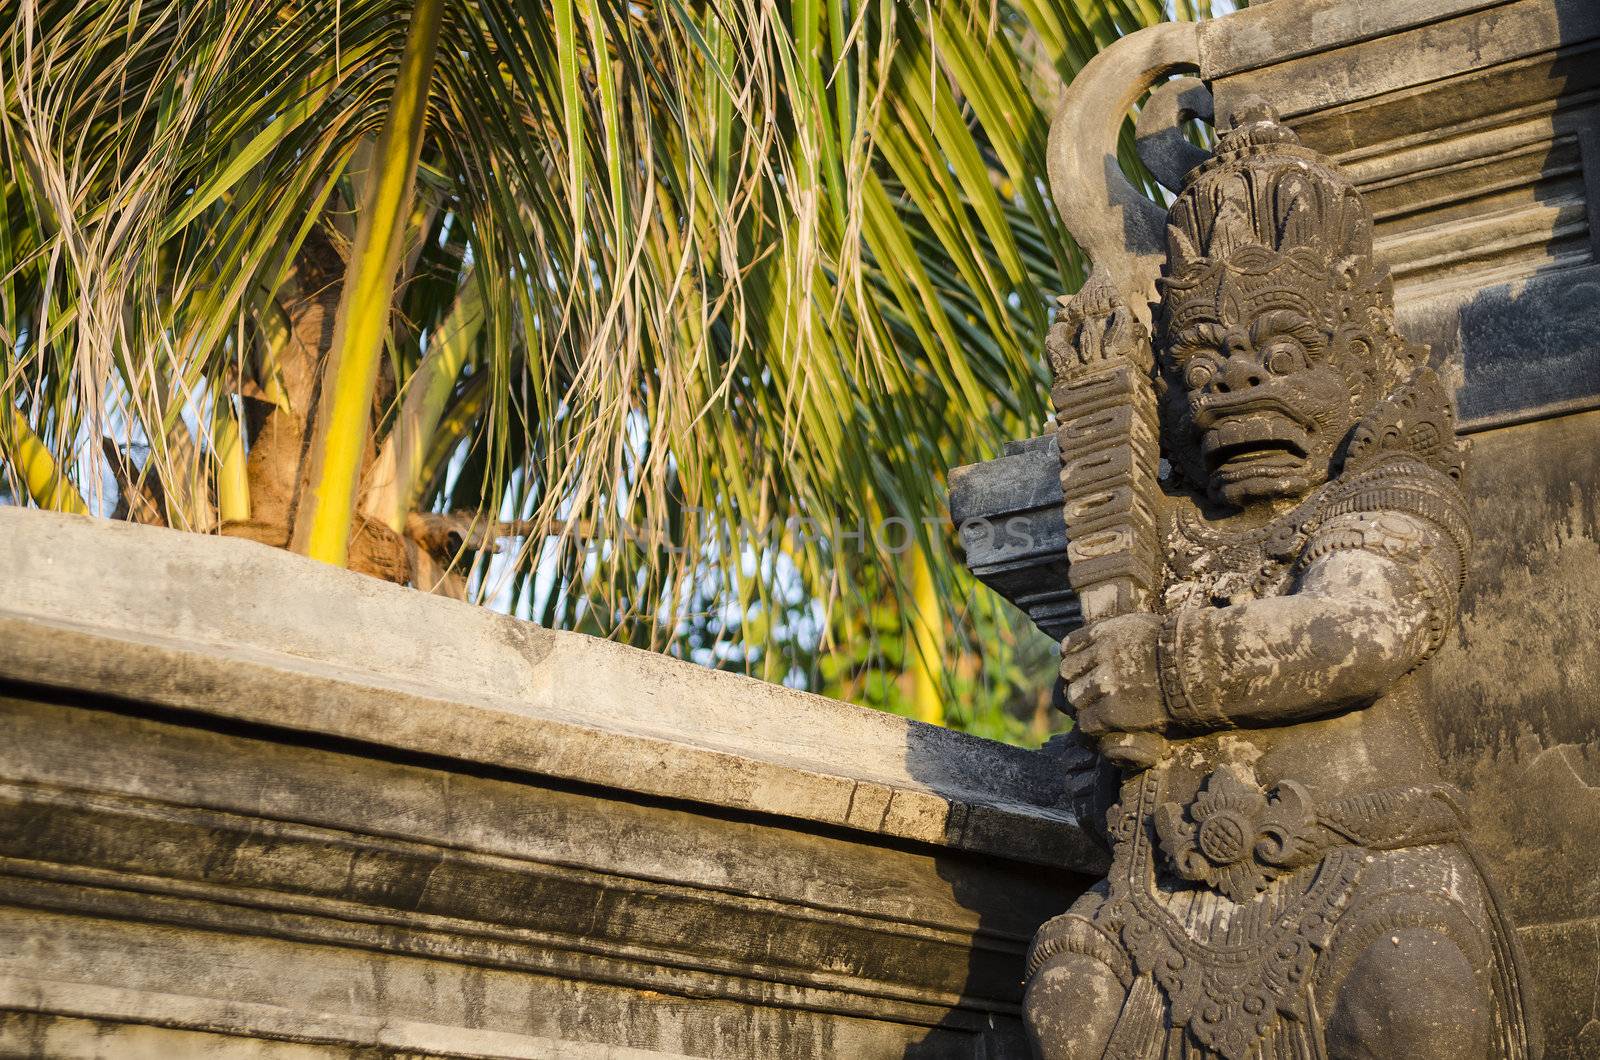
(1398, 482)
(1404, 458)
(1414, 425)
(1400, 496)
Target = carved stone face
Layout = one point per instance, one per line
(1267, 400)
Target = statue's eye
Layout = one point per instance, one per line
(1198, 373)
(1283, 357)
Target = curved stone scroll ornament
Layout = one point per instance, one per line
(1292, 878)
(1119, 227)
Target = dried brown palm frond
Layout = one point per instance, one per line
(671, 276)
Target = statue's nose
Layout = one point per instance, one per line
(1240, 371)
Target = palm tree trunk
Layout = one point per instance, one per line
(310, 302)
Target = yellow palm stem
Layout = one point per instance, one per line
(31, 459)
(927, 630)
(344, 413)
(233, 478)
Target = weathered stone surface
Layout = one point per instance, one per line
(1291, 875)
(1288, 31)
(1471, 128)
(1516, 695)
(1008, 513)
(259, 806)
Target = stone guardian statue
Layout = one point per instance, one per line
(1269, 537)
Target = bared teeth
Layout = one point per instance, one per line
(1256, 453)
(1254, 442)
(1259, 455)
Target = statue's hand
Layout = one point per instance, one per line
(1094, 326)
(1112, 681)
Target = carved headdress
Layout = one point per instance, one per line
(1268, 224)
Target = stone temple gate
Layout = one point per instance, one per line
(1470, 131)
(229, 831)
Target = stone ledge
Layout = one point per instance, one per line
(116, 1017)
(253, 804)
(150, 849)
(235, 630)
(113, 856)
(1264, 34)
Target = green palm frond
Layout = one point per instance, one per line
(678, 275)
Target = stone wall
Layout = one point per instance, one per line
(256, 805)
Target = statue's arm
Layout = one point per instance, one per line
(1374, 599)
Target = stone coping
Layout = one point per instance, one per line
(236, 630)
(1268, 33)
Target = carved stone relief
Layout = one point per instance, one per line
(1268, 537)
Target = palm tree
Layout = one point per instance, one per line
(655, 319)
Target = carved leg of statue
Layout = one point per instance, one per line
(1412, 993)
(1072, 1005)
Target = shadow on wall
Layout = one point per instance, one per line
(1007, 901)
(1517, 693)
